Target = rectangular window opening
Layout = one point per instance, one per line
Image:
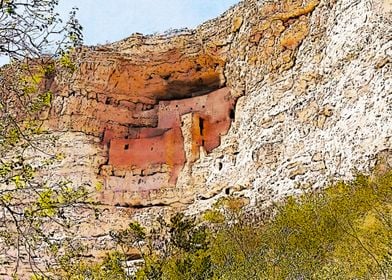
(201, 126)
(232, 114)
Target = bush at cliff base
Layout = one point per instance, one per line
(343, 232)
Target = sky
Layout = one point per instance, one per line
(108, 21)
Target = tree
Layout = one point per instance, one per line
(343, 232)
(33, 210)
(32, 36)
(31, 28)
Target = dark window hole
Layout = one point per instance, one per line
(126, 147)
(232, 114)
(201, 126)
(220, 166)
(227, 191)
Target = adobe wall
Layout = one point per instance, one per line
(313, 102)
(314, 77)
(216, 104)
(144, 148)
(141, 153)
(119, 89)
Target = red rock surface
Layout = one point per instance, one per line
(144, 147)
(114, 91)
(135, 104)
(134, 94)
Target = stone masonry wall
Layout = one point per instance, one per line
(313, 80)
(313, 84)
(142, 156)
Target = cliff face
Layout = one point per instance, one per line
(268, 98)
(159, 105)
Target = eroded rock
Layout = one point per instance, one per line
(294, 93)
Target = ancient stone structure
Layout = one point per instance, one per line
(310, 80)
(148, 149)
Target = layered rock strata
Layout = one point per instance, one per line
(295, 93)
(151, 158)
(312, 79)
(133, 95)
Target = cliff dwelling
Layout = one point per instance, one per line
(145, 150)
(154, 111)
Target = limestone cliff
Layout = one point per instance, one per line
(268, 98)
(312, 78)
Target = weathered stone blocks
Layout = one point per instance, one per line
(164, 145)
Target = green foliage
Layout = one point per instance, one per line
(98, 185)
(185, 235)
(152, 268)
(37, 277)
(195, 266)
(343, 232)
(186, 257)
(42, 101)
(73, 268)
(137, 231)
(132, 235)
(23, 100)
(67, 62)
(33, 211)
(214, 217)
(31, 30)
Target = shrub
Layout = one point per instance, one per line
(343, 232)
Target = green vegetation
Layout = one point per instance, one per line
(72, 268)
(34, 208)
(344, 232)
